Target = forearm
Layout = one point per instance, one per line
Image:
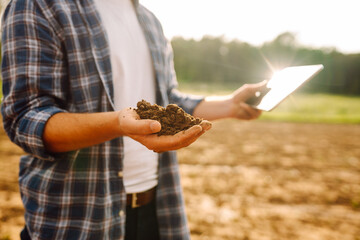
(71, 131)
(230, 106)
(213, 108)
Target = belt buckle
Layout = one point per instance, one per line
(133, 200)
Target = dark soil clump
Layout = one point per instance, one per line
(173, 119)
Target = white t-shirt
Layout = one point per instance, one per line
(134, 80)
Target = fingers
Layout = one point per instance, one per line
(246, 112)
(206, 125)
(248, 90)
(142, 130)
(251, 89)
(173, 142)
(242, 110)
(131, 124)
(142, 127)
(250, 112)
(187, 137)
(260, 84)
(170, 142)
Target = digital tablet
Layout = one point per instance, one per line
(282, 84)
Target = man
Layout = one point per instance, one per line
(70, 71)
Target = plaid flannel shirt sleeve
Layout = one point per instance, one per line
(33, 77)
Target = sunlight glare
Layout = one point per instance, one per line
(285, 82)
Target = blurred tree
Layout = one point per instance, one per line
(214, 60)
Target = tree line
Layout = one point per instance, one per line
(212, 60)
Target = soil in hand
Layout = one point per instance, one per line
(173, 119)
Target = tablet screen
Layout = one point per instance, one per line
(282, 84)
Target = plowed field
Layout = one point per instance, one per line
(250, 180)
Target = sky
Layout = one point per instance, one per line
(315, 23)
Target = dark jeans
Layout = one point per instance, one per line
(141, 224)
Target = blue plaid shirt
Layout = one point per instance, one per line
(56, 59)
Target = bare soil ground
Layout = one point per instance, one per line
(250, 180)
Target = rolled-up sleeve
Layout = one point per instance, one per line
(33, 75)
(187, 102)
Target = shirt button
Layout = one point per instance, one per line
(121, 213)
(120, 174)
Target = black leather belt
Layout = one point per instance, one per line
(140, 199)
